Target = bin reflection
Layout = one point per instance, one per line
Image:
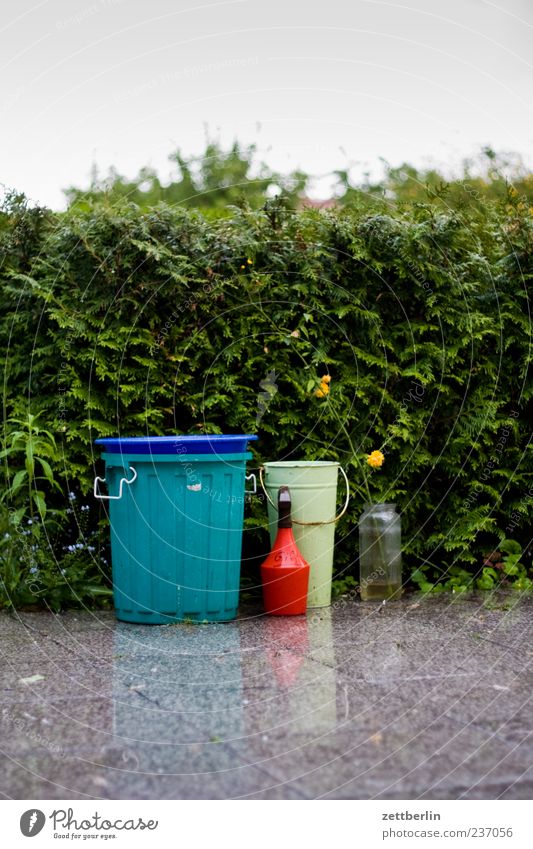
(177, 690)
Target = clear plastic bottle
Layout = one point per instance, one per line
(380, 552)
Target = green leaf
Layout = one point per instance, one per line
(18, 515)
(510, 566)
(510, 546)
(20, 476)
(46, 469)
(40, 503)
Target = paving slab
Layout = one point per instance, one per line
(417, 699)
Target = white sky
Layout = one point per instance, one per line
(316, 84)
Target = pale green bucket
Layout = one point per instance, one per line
(313, 488)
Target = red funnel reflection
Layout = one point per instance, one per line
(286, 644)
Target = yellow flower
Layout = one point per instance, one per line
(326, 378)
(322, 391)
(249, 261)
(243, 266)
(375, 459)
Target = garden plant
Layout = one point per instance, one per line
(118, 320)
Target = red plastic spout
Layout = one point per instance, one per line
(284, 573)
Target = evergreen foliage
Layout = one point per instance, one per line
(118, 321)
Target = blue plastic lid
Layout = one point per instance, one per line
(219, 443)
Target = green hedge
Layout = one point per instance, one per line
(122, 322)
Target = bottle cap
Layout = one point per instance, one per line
(284, 507)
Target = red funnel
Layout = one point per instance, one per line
(285, 574)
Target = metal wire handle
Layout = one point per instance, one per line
(123, 481)
(295, 521)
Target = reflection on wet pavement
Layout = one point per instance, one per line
(349, 702)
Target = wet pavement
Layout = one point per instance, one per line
(421, 698)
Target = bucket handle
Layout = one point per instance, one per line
(295, 521)
(252, 491)
(123, 481)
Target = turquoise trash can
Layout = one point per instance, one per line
(176, 507)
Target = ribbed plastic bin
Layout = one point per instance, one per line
(176, 526)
